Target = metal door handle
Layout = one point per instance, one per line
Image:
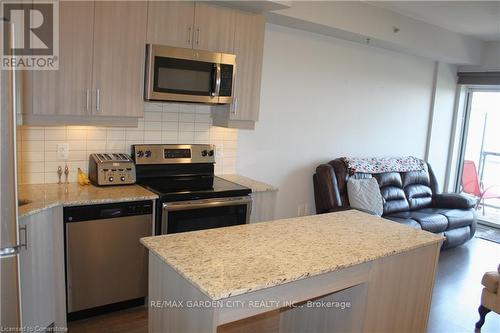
(206, 203)
(13, 250)
(98, 99)
(87, 98)
(198, 36)
(189, 35)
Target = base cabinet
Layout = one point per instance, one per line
(41, 266)
(263, 206)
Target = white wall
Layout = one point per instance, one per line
(443, 108)
(324, 98)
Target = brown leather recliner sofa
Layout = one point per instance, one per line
(411, 198)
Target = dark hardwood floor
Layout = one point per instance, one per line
(457, 290)
(456, 297)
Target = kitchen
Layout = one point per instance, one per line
(105, 156)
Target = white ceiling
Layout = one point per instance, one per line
(479, 19)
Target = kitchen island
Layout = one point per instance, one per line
(346, 272)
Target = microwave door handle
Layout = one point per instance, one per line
(213, 85)
(217, 81)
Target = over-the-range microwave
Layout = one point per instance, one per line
(188, 75)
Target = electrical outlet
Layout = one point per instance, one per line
(62, 151)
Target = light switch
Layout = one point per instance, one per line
(62, 151)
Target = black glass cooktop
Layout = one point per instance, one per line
(192, 188)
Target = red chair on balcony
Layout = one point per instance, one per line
(471, 185)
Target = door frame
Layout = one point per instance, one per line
(464, 131)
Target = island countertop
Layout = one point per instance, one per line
(45, 196)
(231, 261)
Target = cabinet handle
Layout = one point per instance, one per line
(98, 99)
(24, 230)
(235, 105)
(198, 36)
(87, 98)
(189, 35)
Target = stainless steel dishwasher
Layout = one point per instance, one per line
(106, 266)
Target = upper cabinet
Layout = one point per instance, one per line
(191, 25)
(249, 49)
(171, 23)
(101, 66)
(66, 91)
(119, 51)
(214, 28)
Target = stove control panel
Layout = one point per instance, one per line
(173, 154)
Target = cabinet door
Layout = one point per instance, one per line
(171, 23)
(66, 91)
(214, 28)
(119, 55)
(36, 266)
(248, 47)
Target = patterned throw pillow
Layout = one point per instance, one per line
(364, 194)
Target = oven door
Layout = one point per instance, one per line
(182, 216)
(178, 74)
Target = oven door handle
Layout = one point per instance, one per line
(206, 203)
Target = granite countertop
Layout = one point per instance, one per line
(44, 196)
(230, 261)
(255, 185)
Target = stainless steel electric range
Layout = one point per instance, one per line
(191, 197)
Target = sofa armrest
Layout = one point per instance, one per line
(453, 200)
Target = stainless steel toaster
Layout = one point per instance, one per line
(111, 169)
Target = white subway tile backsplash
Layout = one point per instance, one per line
(32, 134)
(74, 133)
(96, 146)
(33, 146)
(152, 136)
(152, 126)
(202, 118)
(55, 134)
(135, 135)
(170, 137)
(171, 107)
(115, 134)
(183, 127)
(187, 108)
(170, 116)
(33, 156)
(186, 117)
(96, 133)
(162, 123)
(153, 116)
(77, 145)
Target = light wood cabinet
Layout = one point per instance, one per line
(66, 91)
(191, 25)
(101, 67)
(249, 49)
(41, 266)
(119, 51)
(171, 23)
(214, 28)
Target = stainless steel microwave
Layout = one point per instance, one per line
(188, 75)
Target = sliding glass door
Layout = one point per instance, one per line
(480, 154)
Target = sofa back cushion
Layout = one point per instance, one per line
(401, 191)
